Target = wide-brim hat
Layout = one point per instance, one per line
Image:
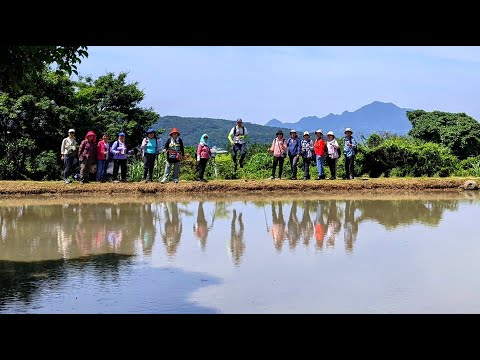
(348, 130)
(330, 133)
(279, 132)
(174, 130)
(306, 133)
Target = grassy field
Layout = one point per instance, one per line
(238, 188)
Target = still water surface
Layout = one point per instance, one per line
(290, 256)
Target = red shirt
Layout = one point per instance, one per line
(101, 148)
(319, 147)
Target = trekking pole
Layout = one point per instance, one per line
(264, 212)
(215, 169)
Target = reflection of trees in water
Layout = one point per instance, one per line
(237, 245)
(394, 213)
(330, 214)
(72, 230)
(21, 281)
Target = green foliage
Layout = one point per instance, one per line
(33, 125)
(401, 157)
(22, 66)
(469, 167)
(109, 104)
(374, 140)
(459, 132)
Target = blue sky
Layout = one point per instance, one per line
(260, 83)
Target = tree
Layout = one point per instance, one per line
(108, 104)
(33, 125)
(21, 66)
(459, 132)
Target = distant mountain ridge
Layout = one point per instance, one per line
(372, 118)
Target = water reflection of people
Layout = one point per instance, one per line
(293, 229)
(306, 225)
(200, 230)
(278, 226)
(320, 227)
(350, 227)
(333, 224)
(173, 228)
(237, 246)
(147, 228)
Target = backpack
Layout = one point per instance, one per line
(110, 154)
(243, 130)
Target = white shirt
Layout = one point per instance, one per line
(236, 133)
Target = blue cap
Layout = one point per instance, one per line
(150, 131)
(121, 134)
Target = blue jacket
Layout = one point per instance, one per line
(349, 151)
(294, 146)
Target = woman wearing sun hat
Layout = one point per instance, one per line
(350, 150)
(68, 152)
(279, 150)
(294, 148)
(307, 154)
(150, 148)
(332, 147)
(175, 152)
(119, 151)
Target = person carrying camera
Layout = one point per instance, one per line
(237, 138)
(350, 150)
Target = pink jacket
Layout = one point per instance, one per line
(203, 151)
(278, 147)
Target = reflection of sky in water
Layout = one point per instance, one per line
(304, 257)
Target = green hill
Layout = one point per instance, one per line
(217, 129)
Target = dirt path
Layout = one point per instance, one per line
(238, 188)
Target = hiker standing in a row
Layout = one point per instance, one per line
(333, 154)
(68, 152)
(87, 155)
(279, 150)
(320, 150)
(150, 148)
(237, 138)
(307, 154)
(175, 152)
(350, 150)
(294, 148)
